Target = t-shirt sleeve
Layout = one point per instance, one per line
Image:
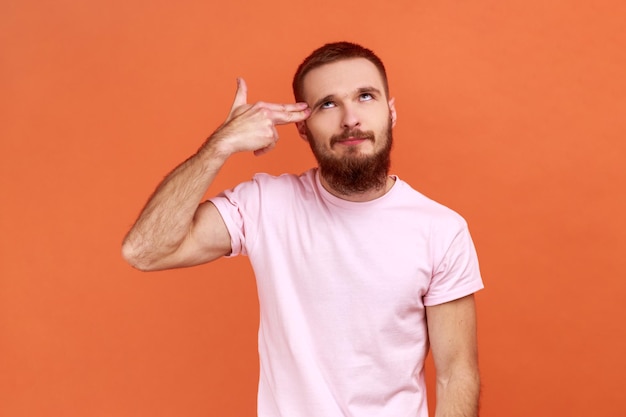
(235, 206)
(457, 273)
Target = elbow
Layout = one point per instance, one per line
(465, 379)
(136, 258)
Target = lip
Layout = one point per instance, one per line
(351, 141)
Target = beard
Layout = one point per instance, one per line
(354, 172)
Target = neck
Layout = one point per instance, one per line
(359, 197)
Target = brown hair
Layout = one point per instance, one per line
(332, 52)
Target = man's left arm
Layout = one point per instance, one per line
(452, 333)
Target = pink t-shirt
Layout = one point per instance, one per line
(342, 288)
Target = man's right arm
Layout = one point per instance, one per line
(174, 229)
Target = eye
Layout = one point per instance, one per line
(327, 105)
(366, 97)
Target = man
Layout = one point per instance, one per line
(357, 273)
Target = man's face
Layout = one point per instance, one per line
(349, 129)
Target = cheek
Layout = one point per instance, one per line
(318, 125)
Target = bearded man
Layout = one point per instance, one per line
(358, 274)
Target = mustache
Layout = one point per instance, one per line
(351, 133)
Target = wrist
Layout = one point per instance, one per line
(215, 150)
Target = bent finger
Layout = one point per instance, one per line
(265, 150)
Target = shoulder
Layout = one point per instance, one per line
(289, 184)
(268, 187)
(427, 209)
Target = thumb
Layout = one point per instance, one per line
(241, 96)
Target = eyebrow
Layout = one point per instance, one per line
(360, 90)
(322, 101)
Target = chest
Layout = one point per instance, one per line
(366, 258)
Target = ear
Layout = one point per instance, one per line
(392, 111)
(302, 130)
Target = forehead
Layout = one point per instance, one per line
(340, 78)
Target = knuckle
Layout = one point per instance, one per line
(264, 112)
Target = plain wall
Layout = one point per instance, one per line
(509, 112)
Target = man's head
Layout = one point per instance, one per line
(332, 52)
(349, 129)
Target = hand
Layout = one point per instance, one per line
(252, 127)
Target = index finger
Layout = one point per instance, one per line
(284, 107)
(282, 117)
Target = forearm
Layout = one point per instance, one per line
(174, 230)
(458, 394)
(167, 218)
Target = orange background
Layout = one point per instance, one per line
(510, 112)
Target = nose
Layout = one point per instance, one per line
(350, 118)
